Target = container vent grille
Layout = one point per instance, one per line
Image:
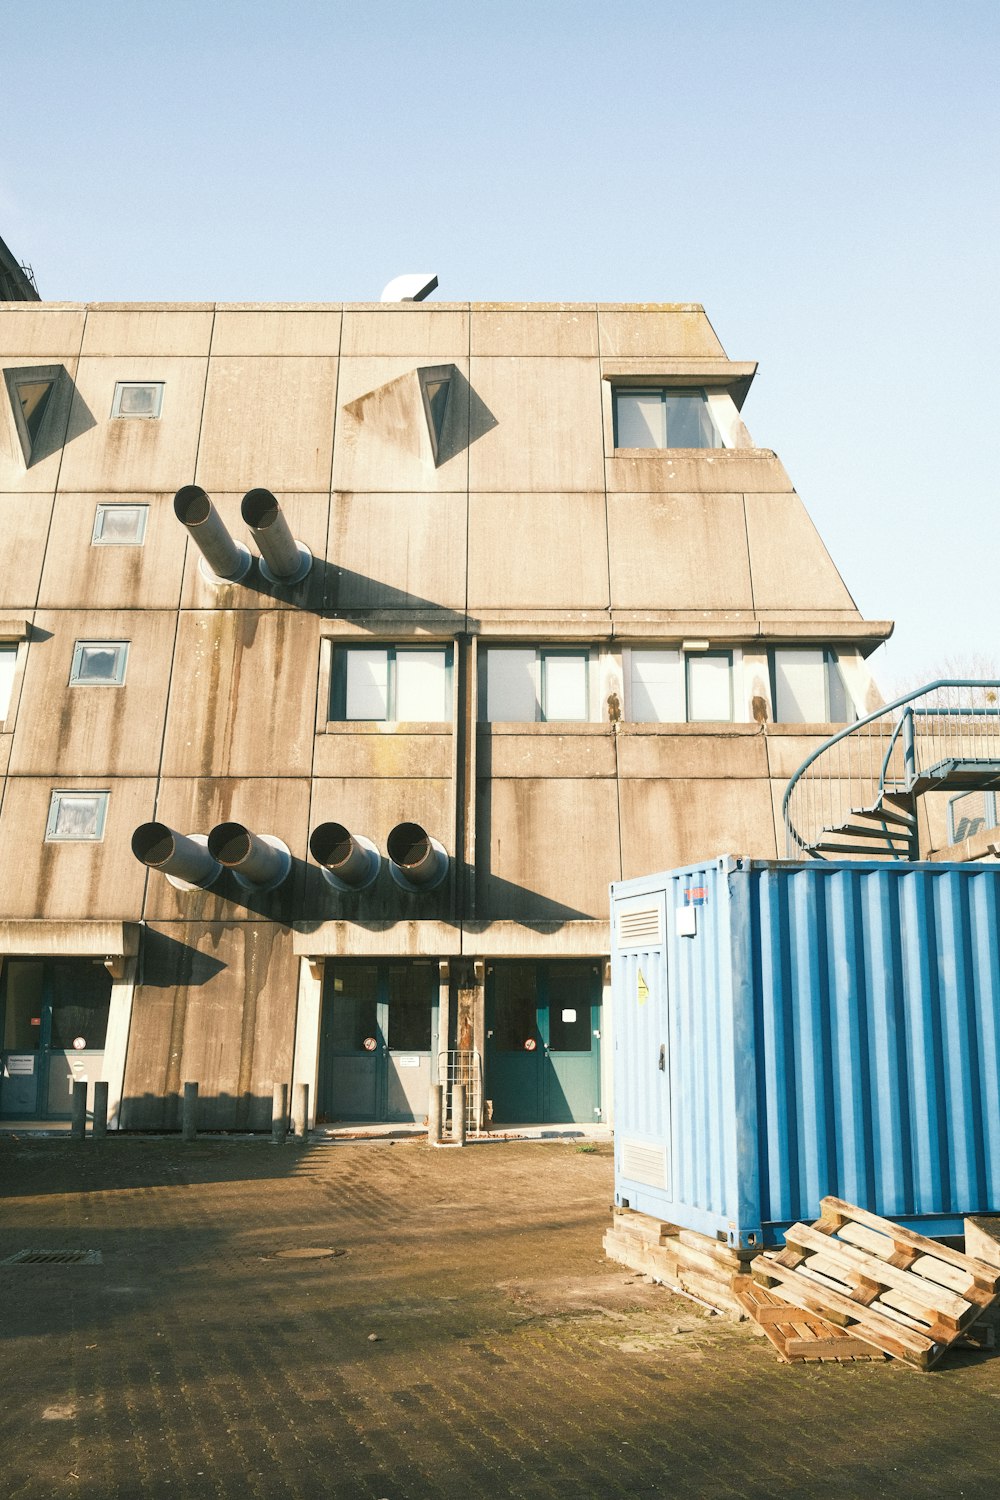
(640, 925)
(644, 1163)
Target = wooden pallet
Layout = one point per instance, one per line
(907, 1295)
(796, 1334)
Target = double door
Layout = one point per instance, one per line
(53, 1025)
(378, 1041)
(543, 1042)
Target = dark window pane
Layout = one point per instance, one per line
(81, 999)
(514, 1007)
(411, 996)
(571, 992)
(353, 992)
(23, 1018)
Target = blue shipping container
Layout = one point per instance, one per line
(784, 1031)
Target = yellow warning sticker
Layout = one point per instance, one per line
(641, 989)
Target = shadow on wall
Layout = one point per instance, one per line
(49, 411)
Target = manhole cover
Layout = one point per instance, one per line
(307, 1254)
(54, 1258)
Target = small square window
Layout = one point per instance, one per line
(99, 662)
(76, 816)
(137, 398)
(120, 525)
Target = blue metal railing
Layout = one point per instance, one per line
(882, 762)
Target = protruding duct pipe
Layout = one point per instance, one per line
(183, 858)
(283, 559)
(417, 862)
(223, 559)
(348, 861)
(258, 860)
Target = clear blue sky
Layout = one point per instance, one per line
(824, 177)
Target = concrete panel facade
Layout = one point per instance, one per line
(511, 521)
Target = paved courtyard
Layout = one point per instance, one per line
(466, 1338)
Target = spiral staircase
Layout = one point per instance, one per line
(857, 794)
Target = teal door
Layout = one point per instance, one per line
(53, 1022)
(378, 1041)
(543, 1043)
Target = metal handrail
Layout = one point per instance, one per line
(872, 785)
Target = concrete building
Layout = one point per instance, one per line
(564, 623)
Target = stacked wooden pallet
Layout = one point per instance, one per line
(909, 1296)
(680, 1258)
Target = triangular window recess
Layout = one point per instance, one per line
(30, 392)
(435, 385)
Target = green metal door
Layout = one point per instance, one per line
(54, 1026)
(543, 1056)
(377, 1042)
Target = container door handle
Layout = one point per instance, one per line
(662, 1064)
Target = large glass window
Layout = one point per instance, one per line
(807, 687)
(526, 684)
(391, 683)
(671, 686)
(660, 417)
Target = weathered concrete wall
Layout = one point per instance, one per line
(525, 526)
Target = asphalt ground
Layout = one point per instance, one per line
(466, 1338)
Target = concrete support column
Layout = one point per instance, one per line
(78, 1126)
(458, 1116)
(100, 1126)
(434, 1114)
(279, 1114)
(300, 1111)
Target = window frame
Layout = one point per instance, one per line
(714, 653)
(121, 664)
(831, 664)
(104, 508)
(130, 385)
(663, 390)
(991, 813)
(542, 655)
(337, 705)
(52, 837)
(682, 664)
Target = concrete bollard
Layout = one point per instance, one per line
(100, 1126)
(279, 1114)
(78, 1126)
(458, 1113)
(189, 1112)
(434, 1114)
(300, 1118)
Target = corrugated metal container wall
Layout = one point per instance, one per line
(790, 1030)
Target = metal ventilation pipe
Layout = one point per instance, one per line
(417, 862)
(223, 559)
(349, 862)
(183, 858)
(284, 560)
(259, 861)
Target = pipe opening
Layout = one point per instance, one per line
(408, 845)
(260, 509)
(153, 844)
(191, 505)
(229, 843)
(331, 845)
